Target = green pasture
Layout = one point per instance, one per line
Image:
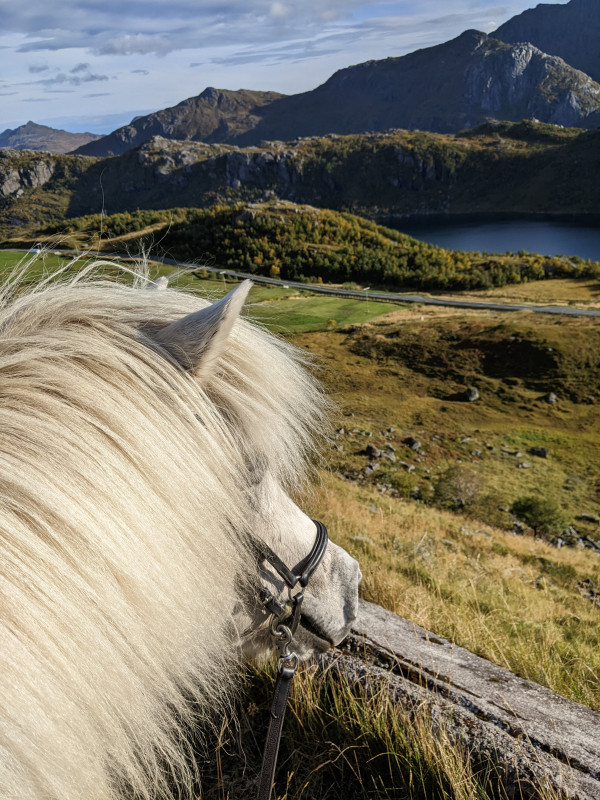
(283, 310)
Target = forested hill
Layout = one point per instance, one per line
(302, 243)
(523, 168)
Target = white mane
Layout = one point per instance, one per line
(123, 508)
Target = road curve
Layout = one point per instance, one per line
(386, 297)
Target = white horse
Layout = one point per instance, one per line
(145, 438)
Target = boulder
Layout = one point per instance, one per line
(540, 452)
(470, 394)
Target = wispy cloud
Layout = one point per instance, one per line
(74, 78)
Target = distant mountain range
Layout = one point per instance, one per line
(32, 136)
(455, 85)
(542, 64)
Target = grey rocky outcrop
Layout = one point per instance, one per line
(524, 733)
(14, 177)
(521, 76)
(569, 30)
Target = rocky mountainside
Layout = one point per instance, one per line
(213, 116)
(444, 88)
(32, 136)
(504, 167)
(571, 31)
(455, 85)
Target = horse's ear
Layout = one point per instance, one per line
(198, 340)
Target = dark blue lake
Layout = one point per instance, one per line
(547, 236)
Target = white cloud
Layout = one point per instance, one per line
(136, 44)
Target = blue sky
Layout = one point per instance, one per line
(95, 64)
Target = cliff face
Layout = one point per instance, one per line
(571, 31)
(521, 79)
(22, 170)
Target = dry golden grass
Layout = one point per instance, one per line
(559, 291)
(342, 741)
(511, 599)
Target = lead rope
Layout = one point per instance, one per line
(285, 672)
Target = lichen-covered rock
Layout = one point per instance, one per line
(15, 176)
(529, 737)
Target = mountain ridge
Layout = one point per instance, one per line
(571, 31)
(445, 88)
(212, 116)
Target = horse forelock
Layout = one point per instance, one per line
(123, 506)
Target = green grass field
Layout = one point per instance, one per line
(282, 310)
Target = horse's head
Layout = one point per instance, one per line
(330, 600)
(148, 441)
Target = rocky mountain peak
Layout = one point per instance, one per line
(570, 30)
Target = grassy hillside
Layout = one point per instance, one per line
(410, 374)
(294, 242)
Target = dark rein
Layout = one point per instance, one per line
(284, 622)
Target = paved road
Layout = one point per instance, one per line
(387, 297)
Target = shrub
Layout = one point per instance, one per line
(544, 516)
(457, 488)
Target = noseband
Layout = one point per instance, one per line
(285, 618)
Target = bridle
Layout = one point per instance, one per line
(285, 618)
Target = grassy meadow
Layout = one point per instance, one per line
(431, 525)
(458, 571)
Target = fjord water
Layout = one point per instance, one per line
(546, 236)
